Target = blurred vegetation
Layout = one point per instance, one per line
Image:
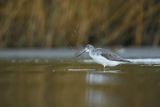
(52, 23)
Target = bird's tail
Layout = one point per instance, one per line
(126, 60)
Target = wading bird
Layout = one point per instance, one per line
(103, 57)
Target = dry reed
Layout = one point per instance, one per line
(52, 23)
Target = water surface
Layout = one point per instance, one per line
(78, 83)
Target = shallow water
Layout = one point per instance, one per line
(79, 83)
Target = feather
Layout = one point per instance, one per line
(110, 55)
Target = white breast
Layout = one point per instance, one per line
(102, 60)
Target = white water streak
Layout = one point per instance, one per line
(146, 61)
(134, 61)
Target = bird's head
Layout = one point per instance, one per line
(87, 48)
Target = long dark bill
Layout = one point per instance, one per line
(81, 53)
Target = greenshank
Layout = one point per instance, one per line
(103, 57)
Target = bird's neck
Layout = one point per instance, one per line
(91, 54)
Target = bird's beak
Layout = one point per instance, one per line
(81, 53)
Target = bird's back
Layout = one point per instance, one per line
(110, 55)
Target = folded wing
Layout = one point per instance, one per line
(111, 56)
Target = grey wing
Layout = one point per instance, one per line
(112, 56)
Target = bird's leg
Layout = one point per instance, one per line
(104, 68)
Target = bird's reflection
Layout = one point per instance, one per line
(103, 78)
(95, 98)
(100, 98)
(101, 90)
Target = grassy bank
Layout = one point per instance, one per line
(56, 23)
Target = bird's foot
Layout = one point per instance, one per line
(105, 69)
